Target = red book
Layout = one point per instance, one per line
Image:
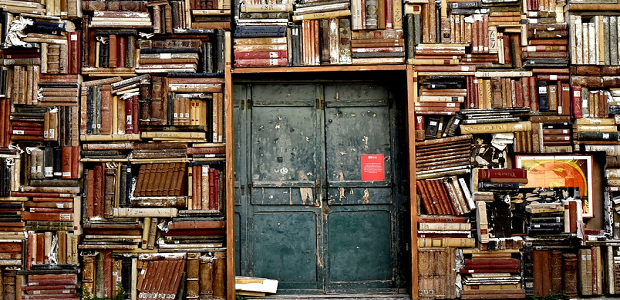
(40, 257)
(75, 52)
(135, 112)
(107, 273)
(75, 161)
(576, 102)
(261, 54)
(129, 115)
(66, 161)
(389, 15)
(261, 62)
(122, 51)
(29, 250)
(113, 55)
(518, 88)
(533, 89)
(491, 263)
(44, 196)
(426, 200)
(486, 174)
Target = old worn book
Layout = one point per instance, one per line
(436, 273)
(496, 128)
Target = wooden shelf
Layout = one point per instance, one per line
(305, 69)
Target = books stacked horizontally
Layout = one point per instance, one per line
(261, 36)
(444, 57)
(442, 157)
(494, 120)
(51, 286)
(59, 89)
(551, 134)
(441, 95)
(115, 234)
(501, 179)
(193, 234)
(595, 130)
(547, 45)
(169, 55)
(27, 123)
(12, 246)
(491, 275)
(444, 230)
(546, 215)
(377, 47)
(121, 19)
(445, 196)
(441, 225)
(261, 52)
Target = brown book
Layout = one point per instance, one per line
(556, 272)
(585, 271)
(29, 216)
(98, 191)
(206, 276)
(569, 267)
(192, 287)
(110, 189)
(219, 275)
(106, 109)
(152, 234)
(426, 199)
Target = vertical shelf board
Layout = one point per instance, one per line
(411, 97)
(230, 188)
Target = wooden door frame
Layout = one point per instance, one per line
(410, 77)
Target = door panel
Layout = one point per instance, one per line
(285, 247)
(284, 213)
(359, 226)
(359, 248)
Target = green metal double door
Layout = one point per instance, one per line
(318, 187)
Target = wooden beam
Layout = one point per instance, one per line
(230, 186)
(412, 86)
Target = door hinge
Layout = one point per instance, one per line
(249, 103)
(320, 104)
(242, 106)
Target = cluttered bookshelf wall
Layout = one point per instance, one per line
(115, 167)
(513, 127)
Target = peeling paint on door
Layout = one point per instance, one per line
(305, 192)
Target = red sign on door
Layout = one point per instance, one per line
(373, 167)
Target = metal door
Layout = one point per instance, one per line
(317, 202)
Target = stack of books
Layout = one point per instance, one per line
(595, 131)
(431, 159)
(494, 274)
(551, 134)
(501, 179)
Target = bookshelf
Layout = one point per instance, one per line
(116, 171)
